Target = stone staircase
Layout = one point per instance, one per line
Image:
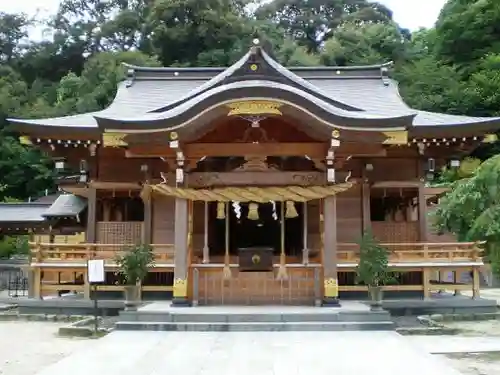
(263, 319)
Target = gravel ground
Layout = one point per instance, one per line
(478, 328)
(27, 347)
(476, 364)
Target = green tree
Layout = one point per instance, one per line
(364, 44)
(467, 30)
(471, 210)
(310, 23)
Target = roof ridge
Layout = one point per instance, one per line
(200, 69)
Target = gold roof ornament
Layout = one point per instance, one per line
(112, 139)
(24, 140)
(254, 107)
(490, 138)
(396, 137)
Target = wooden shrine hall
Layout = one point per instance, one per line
(253, 183)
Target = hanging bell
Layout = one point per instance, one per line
(221, 210)
(253, 211)
(291, 211)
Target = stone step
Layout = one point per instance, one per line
(352, 316)
(255, 326)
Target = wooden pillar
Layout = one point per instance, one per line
(365, 207)
(90, 233)
(422, 221)
(91, 215)
(475, 283)
(305, 250)
(206, 254)
(330, 252)
(86, 284)
(37, 284)
(427, 282)
(181, 253)
(148, 218)
(422, 213)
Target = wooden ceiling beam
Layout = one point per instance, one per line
(199, 150)
(315, 150)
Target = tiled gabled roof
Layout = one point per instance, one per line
(65, 205)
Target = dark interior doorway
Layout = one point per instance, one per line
(265, 232)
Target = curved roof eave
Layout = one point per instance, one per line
(448, 126)
(82, 125)
(178, 117)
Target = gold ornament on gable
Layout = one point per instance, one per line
(114, 139)
(396, 137)
(254, 107)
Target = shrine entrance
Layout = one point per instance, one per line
(255, 226)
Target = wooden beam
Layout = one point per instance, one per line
(315, 150)
(199, 150)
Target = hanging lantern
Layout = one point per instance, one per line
(291, 211)
(221, 214)
(253, 211)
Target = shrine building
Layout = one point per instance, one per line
(251, 183)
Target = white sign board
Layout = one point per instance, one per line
(95, 270)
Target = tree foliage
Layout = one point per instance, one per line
(471, 210)
(452, 68)
(373, 267)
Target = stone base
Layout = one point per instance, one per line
(330, 302)
(351, 316)
(180, 302)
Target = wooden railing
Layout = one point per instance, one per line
(77, 253)
(347, 253)
(417, 252)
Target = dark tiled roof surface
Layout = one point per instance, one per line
(66, 205)
(37, 212)
(161, 93)
(23, 212)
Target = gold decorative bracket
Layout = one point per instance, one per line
(490, 138)
(114, 139)
(254, 107)
(331, 288)
(396, 137)
(24, 140)
(180, 288)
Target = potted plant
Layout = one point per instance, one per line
(133, 266)
(373, 268)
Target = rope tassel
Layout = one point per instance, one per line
(253, 211)
(220, 210)
(291, 211)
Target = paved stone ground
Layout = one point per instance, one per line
(32, 348)
(28, 347)
(263, 353)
